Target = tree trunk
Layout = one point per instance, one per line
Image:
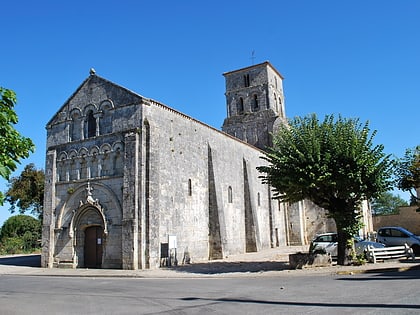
(342, 250)
(346, 216)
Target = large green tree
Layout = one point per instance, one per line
(13, 146)
(20, 233)
(408, 172)
(26, 192)
(333, 163)
(387, 203)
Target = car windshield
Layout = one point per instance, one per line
(327, 238)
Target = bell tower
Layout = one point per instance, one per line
(255, 103)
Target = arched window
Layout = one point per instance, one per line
(76, 127)
(230, 197)
(91, 125)
(240, 105)
(189, 187)
(255, 102)
(106, 109)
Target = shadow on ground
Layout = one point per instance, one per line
(23, 261)
(400, 272)
(231, 267)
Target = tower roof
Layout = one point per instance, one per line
(265, 63)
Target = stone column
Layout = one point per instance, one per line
(82, 127)
(130, 202)
(98, 117)
(100, 159)
(48, 244)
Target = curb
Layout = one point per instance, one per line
(172, 274)
(379, 270)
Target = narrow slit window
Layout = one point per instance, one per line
(230, 197)
(241, 105)
(275, 103)
(246, 80)
(189, 187)
(255, 102)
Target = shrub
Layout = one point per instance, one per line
(11, 245)
(20, 233)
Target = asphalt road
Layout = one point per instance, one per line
(21, 261)
(373, 293)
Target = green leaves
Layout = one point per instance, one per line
(408, 171)
(333, 163)
(26, 192)
(334, 158)
(13, 146)
(387, 203)
(20, 233)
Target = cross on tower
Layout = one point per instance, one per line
(253, 56)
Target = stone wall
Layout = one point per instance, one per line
(407, 218)
(305, 220)
(86, 144)
(205, 190)
(153, 180)
(154, 174)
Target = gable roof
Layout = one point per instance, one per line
(87, 81)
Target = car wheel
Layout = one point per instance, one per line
(416, 249)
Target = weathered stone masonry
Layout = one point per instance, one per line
(130, 181)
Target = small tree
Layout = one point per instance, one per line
(13, 146)
(387, 203)
(332, 163)
(408, 172)
(26, 192)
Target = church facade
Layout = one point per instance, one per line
(132, 183)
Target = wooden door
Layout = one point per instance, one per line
(93, 247)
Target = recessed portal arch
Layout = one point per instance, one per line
(89, 232)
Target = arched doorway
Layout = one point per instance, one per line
(94, 236)
(90, 232)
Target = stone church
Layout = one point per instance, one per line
(132, 183)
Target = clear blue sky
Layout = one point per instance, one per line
(357, 58)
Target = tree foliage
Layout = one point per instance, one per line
(333, 163)
(26, 192)
(13, 146)
(20, 233)
(408, 172)
(387, 203)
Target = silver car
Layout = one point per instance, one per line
(397, 236)
(328, 242)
